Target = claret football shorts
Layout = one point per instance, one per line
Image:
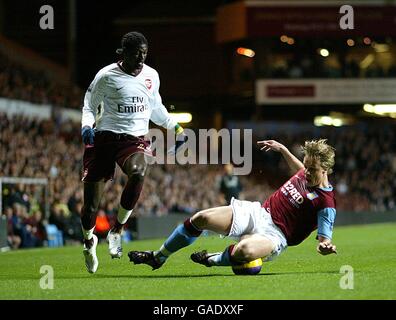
(110, 148)
(251, 218)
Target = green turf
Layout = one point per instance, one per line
(300, 273)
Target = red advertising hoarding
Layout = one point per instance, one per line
(316, 21)
(251, 19)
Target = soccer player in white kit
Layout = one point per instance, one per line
(126, 97)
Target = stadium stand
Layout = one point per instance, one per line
(52, 148)
(20, 83)
(28, 76)
(38, 149)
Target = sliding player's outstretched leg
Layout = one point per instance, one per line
(213, 259)
(216, 219)
(250, 247)
(182, 236)
(145, 257)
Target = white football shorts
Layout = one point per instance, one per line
(250, 218)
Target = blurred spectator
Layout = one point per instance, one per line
(230, 184)
(24, 231)
(14, 240)
(37, 228)
(18, 195)
(342, 186)
(56, 218)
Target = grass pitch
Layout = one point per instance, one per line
(299, 273)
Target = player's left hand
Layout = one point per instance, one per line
(325, 248)
(181, 139)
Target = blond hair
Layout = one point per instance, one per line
(320, 150)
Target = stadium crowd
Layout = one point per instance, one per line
(363, 177)
(21, 83)
(316, 67)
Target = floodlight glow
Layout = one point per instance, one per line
(385, 110)
(381, 47)
(329, 121)
(350, 42)
(368, 108)
(246, 52)
(365, 63)
(284, 38)
(337, 122)
(324, 52)
(182, 117)
(290, 41)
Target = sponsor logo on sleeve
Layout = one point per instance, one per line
(312, 195)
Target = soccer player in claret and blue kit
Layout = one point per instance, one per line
(303, 204)
(118, 105)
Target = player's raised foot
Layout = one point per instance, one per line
(145, 257)
(201, 257)
(115, 247)
(91, 260)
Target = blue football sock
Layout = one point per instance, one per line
(184, 235)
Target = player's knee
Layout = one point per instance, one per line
(137, 171)
(200, 219)
(135, 166)
(245, 251)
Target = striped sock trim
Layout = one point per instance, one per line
(165, 252)
(87, 234)
(191, 229)
(230, 248)
(123, 215)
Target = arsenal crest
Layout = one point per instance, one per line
(148, 83)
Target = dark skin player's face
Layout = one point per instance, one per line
(134, 58)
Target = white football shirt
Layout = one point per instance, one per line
(125, 103)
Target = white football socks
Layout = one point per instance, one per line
(216, 258)
(123, 215)
(87, 234)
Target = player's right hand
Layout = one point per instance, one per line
(268, 145)
(325, 248)
(88, 135)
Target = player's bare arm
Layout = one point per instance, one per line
(325, 246)
(294, 164)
